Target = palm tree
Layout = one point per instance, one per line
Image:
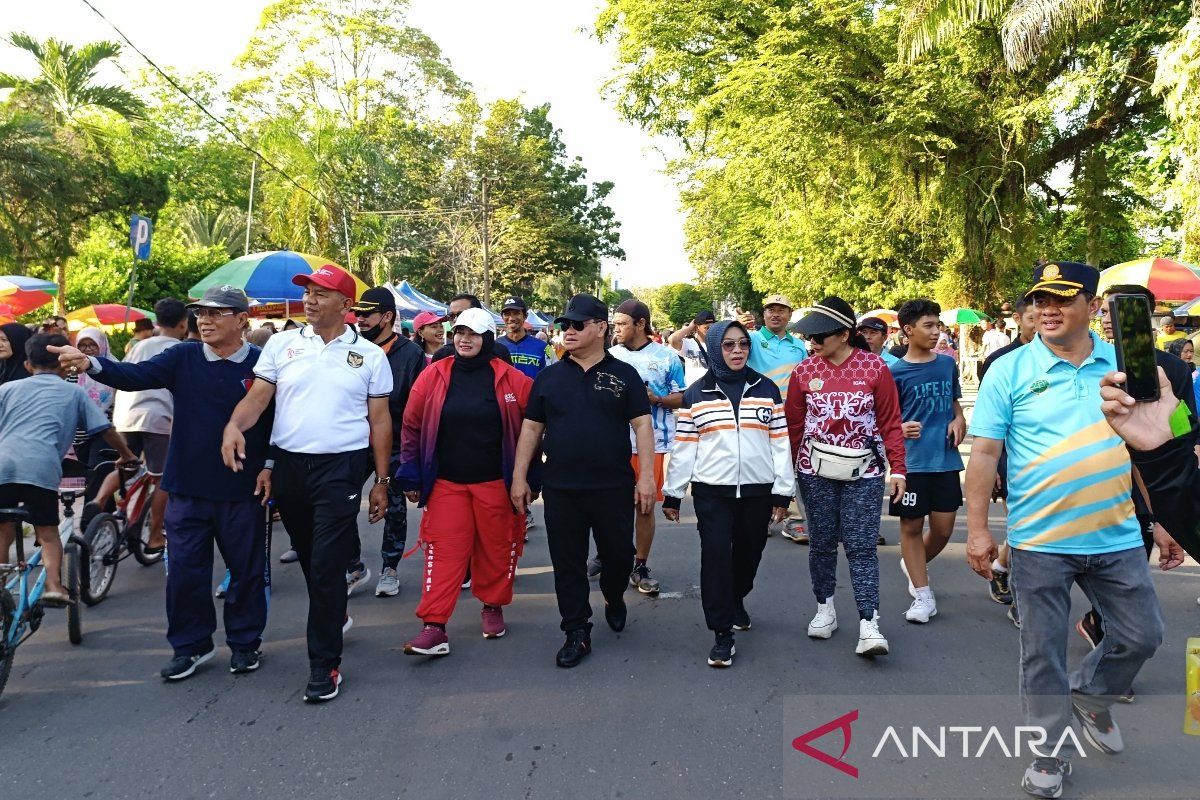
(65, 92)
(225, 229)
(1025, 25)
(65, 83)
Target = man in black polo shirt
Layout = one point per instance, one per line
(584, 406)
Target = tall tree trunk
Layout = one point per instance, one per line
(60, 277)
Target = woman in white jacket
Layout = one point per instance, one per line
(731, 445)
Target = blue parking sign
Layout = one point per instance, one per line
(139, 237)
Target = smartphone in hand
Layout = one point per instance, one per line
(1133, 334)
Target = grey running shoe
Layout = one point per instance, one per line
(999, 589)
(1098, 728)
(389, 583)
(793, 530)
(1045, 776)
(357, 577)
(1014, 614)
(640, 579)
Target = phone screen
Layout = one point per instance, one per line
(1134, 334)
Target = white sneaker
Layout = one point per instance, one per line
(389, 583)
(289, 556)
(825, 622)
(870, 640)
(357, 578)
(924, 607)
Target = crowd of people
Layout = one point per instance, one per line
(607, 423)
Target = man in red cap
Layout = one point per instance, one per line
(331, 388)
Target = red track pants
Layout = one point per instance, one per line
(468, 524)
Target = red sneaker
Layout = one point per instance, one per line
(431, 641)
(493, 622)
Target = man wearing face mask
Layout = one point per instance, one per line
(376, 312)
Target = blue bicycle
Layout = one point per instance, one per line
(21, 609)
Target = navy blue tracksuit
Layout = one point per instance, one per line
(209, 502)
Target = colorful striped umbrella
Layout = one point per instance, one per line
(267, 277)
(20, 294)
(104, 315)
(886, 314)
(1171, 281)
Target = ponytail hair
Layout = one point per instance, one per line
(859, 341)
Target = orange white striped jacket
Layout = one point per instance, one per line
(742, 455)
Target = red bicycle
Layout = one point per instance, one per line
(112, 537)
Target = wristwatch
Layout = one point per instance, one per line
(383, 480)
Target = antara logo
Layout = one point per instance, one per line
(842, 723)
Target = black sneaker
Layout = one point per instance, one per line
(741, 620)
(615, 614)
(89, 512)
(243, 661)
(998, 587)
(1045, 776)
(594, 569)
(640, 579)
(1014, 614)
(577, 646)
(323, 685)
(722, 652)
(1090, 628)
(181, 667)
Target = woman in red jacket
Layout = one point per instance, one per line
(457, 447)
(843, 415)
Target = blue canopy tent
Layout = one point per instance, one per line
(418, 300)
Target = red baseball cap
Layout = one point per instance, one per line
(330, 277)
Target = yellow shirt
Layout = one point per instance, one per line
(1165, 339)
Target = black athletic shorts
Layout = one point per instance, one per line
(41, 504)
(150, 447)
(928, 491)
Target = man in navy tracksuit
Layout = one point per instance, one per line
(208, 502)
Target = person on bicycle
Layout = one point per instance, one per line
(38, 420)
(207, 379)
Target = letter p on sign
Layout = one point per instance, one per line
(139, 237)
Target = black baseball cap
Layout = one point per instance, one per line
(636, 310)
(224, 296)
(873, 323)
(1064, 278)
(704, 318)
(514, 303)
(377, 298)
(582, 308)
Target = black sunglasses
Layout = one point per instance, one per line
(575, 324)
(817, 338)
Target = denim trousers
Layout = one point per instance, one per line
(1119, 587)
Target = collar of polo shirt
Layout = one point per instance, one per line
(348, 335)
(237, 357)
(1100, 352)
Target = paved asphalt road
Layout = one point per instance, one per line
(643, 717)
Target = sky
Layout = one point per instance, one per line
(539, 50)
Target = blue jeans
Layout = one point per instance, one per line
(1119, 587)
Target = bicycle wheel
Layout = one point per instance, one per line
(103, 536)
(71, 579)
(8, 613)
(139, 533)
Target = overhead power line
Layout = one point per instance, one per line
(224, 126)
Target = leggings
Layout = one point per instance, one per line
(846, 512)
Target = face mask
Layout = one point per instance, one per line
(372, 333)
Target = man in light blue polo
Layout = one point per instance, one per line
(1070, 520)
(775, 353)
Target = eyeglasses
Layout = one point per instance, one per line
(210, 313)
(366, 314)
(737, 344)
(575, 324)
